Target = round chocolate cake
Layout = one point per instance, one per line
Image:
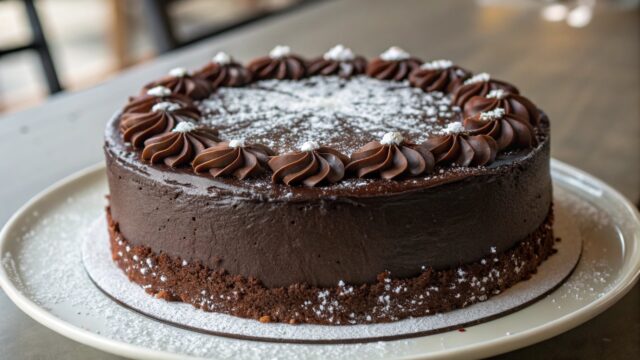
(333, 190)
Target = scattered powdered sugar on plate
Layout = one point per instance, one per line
(47, 267)
(328, 110)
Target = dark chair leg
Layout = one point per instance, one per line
(160, 25)
(40, 45)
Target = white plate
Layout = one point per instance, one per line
(42, 273)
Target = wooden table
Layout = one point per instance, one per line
(587, 80)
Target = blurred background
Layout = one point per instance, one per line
(49, 45)
(90, 40)
(578, 59)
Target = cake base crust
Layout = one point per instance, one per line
(388, 299)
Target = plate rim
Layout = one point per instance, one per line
(486, 348)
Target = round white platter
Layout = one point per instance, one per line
(41, 271)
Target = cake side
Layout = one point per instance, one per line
(386, 299)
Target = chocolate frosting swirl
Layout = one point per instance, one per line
(508, 130)
(280, 64)
(343, 68)
(390, 160)
(230, 74)
(310, 167)
(136, 127)
(462, 149)
(480, 85)
(180, 146)
(515, 104)
(144, 103)
(438, 75)
(233, 159)
(393, 64)
(180, 81)
(396, 70)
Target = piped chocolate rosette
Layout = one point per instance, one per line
(512, 103)
(480, 85)
(454, 147)
(394, 64)
(180, 146)
(233, 158)
(164, 123)
(340, 61)
(311, 166)
(181, 81)
(509, 131)
(390, 158)
(281, 64)
(158, 94)
(224, 71)
(138, 125)
(438, 75)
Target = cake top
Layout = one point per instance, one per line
(318, 122)
(342, 113)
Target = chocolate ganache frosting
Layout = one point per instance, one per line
(224, 71)
(234, 189)
(280, 64)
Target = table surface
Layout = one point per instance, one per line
(586, 79)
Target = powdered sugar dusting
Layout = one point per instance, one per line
(221, 58)
(159, 91)
(235, 143)
(453, 128)
(339, 53)
(279, 51)
(309, 146)
(496, 94)
(494, 114)
(437, 65)
(184, 127)
(394, 53)
(330, 111)
(165, 106)
(179, 72)
(392, 138)
(478, 78)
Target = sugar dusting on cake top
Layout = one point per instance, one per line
(328, 110)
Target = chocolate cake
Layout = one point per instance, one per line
(332, 190)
